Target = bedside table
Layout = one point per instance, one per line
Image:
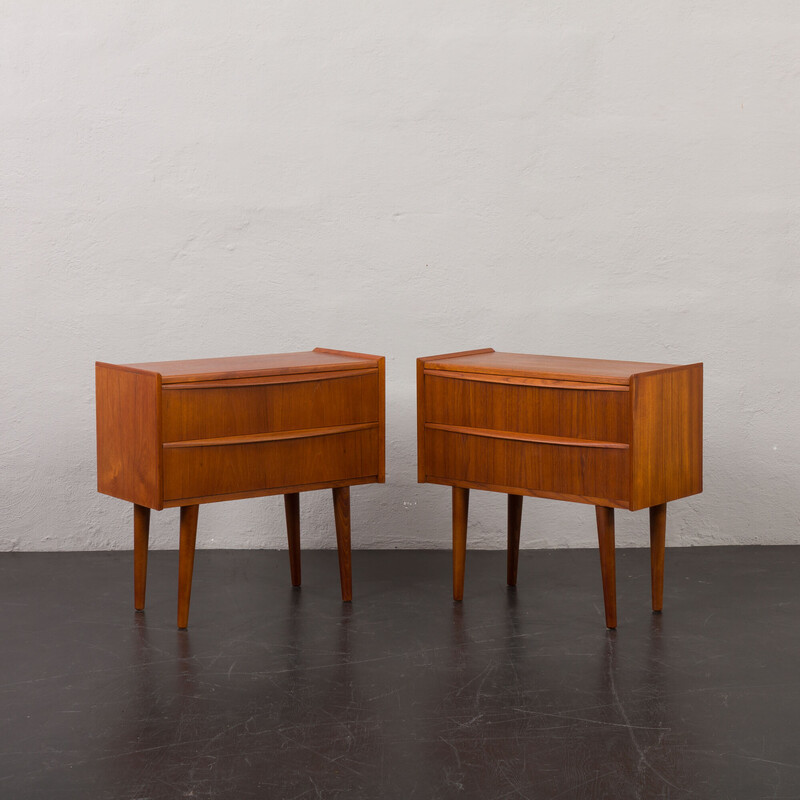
(614, 434)
(182, 433)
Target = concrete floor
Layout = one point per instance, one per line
(282, 693)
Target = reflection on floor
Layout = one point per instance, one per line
(281, 693)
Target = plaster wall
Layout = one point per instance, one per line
(185, 179)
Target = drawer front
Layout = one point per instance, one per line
(595, 414)
(241, 410)
(206, 471)
(589, 472)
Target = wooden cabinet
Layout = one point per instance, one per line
(615, 434)
(181, 433)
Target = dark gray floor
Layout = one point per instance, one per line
(281, 693)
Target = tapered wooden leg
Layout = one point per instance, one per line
(341, 512)
(186, 562)
(658, 535)
(514, 525)
(605, 537)
(460, 514)
(141, 539)
(292, 505)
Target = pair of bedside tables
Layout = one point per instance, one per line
(613, 434)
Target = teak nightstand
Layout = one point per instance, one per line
(615, 434)
(181, 433)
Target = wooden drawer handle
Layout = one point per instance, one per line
(512, 380)
(227, 383)
(527, 437)
(271, 437)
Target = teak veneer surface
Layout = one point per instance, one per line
(225, 469)
(182, 433)
(593, 370)
(173, 430)
(589, 472)
(129, 451)
(209, 412)
(550, 426)
(317, 360)
(615, 434)
(547, 410)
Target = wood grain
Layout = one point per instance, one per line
(204, 369)
(348, 354)
(616, 434)
(277, 436)
(514, 527)
(422, 419)
(593, 370)
(291, 503)
(141, 540)
(341, 513)
(608, 569)
(226, 469)
(443, 356)
(518, 380)
(513, 436)
(207, 413)
(570, 413)
(667, 445)
(181, 433)
(460, 516)
(658, 531)
(263, 380)
(380, 401)
(583, 471)
(128, 404)
(188, 539)
(303, 487)
(495, 487)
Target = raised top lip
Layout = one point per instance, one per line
(589, 370)
(318, 360)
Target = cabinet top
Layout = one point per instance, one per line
(590, 370)
(318, 360)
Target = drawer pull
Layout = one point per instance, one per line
(271, 437)
(527, 437)
(547, 383)
(303, 377)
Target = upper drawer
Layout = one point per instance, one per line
(231, 408)
(601, 414)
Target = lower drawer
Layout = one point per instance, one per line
(205, 471)
(594, 473)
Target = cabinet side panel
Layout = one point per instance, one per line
(381, 420)
(421, 467)
(667, 446)
(128, 435)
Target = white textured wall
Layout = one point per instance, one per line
(189, 179)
